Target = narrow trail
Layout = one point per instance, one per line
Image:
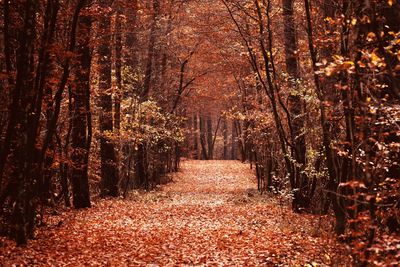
(209, 215)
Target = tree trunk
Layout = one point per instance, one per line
(241, 141)
(296, 121)
(333, 181)
(233, 141)
(80, 141)
(141, 153)
(209, 137)
(131, 42)
(141, 176)
(118, 71)
(144, 94)
(195, 137)
(204, 154)
(24, 153)
(225, 133)
(109, 170)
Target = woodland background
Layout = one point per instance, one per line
(102, 97)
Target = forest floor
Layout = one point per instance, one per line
(210, 214)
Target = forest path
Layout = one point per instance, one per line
(206, 216)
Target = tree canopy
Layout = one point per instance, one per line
(101, 98)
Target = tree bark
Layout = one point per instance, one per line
(24, 209)
(209, 137)
(204, 153)
(144, 94)
(80, 136)
(195, 137)
(109, 170)
(131, 55)
(225, 133)
(118, 70)
(301, 192)
(142, 179)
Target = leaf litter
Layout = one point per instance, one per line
(208, 215)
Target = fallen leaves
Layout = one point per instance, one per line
(204, 217)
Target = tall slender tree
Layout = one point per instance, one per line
(81, 122)
(296, 104)
(109, 169)
(142, 178)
